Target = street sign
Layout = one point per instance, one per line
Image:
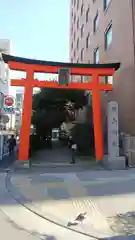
(64, 76)
(9, 101)
(9, 110)
(8, 105)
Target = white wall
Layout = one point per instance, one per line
(4, 71)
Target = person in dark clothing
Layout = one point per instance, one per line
(73, 147)
(11, 144)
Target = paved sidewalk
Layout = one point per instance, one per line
(17, 222)
(61, 196)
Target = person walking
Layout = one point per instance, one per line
(73, 151)
(11, 145)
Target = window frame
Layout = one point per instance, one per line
(74, 53)
(72, 45)
(82, 54)
(77, 4)
(87, 14)
(77, 43)
(82, 30)
(106, 4)
(74, 35)
(78, 23)
(87, 41)
(106, 35)
(95, 25)
(96, 50)
(74, 18)
(82, 9)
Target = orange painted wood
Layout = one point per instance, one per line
(29, 83)
(97, 117)
(26, 117)
(49, 84)
(55, 69)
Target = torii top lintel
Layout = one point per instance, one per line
(22, 64)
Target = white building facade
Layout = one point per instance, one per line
(19, 105)
(5, 47)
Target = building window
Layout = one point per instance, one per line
(96, 55)
(87, 15)
(108, 36)
(77, 43)
(74, 35)
(72, 45)
(87, 41)
(74, 53)
(71, 60)
(82, 30)
(72, 13)
(78, 60)
(82, 9)
(82, 54)
(78, 23)
(71, 30)
(95, 23)
(77, 4)
(74, 2)
(106, 4)
(109, 79)
(74, 18)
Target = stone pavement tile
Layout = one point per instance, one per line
(106, 175)
(22, 219)
(100, 201)
(64, 204)
(46, 179)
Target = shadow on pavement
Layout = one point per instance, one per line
(57, 188)
(7, 161)
(111, 188)
(131, 237)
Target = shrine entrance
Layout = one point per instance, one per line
(33, 66)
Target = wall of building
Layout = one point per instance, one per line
(5, 46)
(121, 50)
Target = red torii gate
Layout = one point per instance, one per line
(31, 66)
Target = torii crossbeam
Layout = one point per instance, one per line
(31, 66)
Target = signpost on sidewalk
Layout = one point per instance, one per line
(8, 105)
